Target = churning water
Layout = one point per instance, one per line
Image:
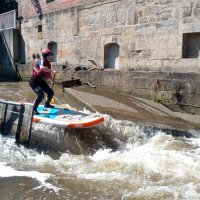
(116, 160)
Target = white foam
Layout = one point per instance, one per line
(104, 176)
(157, 163)
(101, 155)
(7, 171)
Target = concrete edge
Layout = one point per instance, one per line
(80, 100)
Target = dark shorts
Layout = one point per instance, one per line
(39, 86)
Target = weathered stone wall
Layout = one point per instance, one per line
(179, 91)
(149, 32)
(152, 36)
(31, 8)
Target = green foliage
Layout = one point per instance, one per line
(8, 5)
(164, 92)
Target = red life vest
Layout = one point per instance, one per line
(37, 72)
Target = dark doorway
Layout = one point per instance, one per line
(53, 47)
(111, 56)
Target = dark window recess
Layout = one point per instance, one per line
(191, 45)
(48, 1)
(39, 28)
(53, 46)
(111, 55)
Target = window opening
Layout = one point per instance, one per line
(191, 45)
(111, 56)
(53, 47)
(39, 28)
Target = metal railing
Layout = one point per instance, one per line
(8, 20)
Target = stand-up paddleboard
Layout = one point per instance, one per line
(67, 118)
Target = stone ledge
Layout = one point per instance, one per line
(139, 110)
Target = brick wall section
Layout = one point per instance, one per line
(30, 8)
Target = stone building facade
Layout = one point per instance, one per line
(156, 35)
(125, 35)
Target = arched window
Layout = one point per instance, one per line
(53, 47)
(111, 56)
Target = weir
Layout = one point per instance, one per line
(16, 119)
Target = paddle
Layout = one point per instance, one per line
(53, 99)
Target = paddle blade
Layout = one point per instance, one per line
(52, 100)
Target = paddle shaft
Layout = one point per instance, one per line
(53, 100)
(53, 81)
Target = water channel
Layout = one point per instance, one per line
(116, 160)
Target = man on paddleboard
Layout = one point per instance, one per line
(41, 72)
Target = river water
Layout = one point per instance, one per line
(116, 160)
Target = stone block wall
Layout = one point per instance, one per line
(148, 32)
(153, 38)
(179, 91)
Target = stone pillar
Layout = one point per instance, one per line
(16, 119)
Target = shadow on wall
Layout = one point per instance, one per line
(21, 51)
(37, 7)
(7, 71)
(11, 52)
